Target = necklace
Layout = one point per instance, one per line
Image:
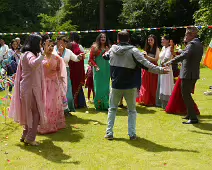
(48, 59)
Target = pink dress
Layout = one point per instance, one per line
(55, 74)
(29, 87)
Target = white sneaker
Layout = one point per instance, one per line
(207, 93)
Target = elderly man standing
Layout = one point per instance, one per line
(190, 71)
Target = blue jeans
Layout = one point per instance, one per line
(115, 97)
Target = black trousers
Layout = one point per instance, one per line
(187, 88)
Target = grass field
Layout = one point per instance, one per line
(163, 141)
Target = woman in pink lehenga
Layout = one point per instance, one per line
(56, 86)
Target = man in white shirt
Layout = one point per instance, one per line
(3, 50)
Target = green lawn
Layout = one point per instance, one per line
(163, 143)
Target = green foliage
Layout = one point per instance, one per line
(144, 13)
(50, 23)
(59, 21)
(204, 17)
(162, 143)
(21, 15)
(70, 15)
(158, 13)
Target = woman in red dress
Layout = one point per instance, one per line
(147, 95)
(176, 104)
(89, 82)
(77, 73)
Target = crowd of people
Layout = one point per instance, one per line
(50, 77)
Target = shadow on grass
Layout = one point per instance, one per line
(203, 133)
(53, 153)
(77, 120)
(204, 126)
(71, 133)
(91, 110)
(120, 112)
(145, 110)
(66, 135)
(205, 117)
(49, 151)
(139, 109)
(8, 129)
(151, 146)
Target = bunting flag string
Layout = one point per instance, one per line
(109, 30)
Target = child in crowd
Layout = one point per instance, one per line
(89, 82)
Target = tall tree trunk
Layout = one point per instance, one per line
(102, 13)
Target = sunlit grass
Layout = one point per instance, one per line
(164, 142)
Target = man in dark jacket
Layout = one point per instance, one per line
(123, 64)
(190, 70)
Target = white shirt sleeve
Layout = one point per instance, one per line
(7, 47)
(10, 53)
(81, 48)
(73, 57)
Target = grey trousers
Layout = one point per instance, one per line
(187, 87)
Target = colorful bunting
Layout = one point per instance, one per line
(109, 30)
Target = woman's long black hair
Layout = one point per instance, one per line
(155, 46)
(32, 44)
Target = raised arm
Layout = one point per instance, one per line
(33, 60)
(6, 51)
(74, 57)
(156, 56)
(81, 48)
(10, 53)
(168, 56)
(185, 53)
(139, 56)
(92, 57)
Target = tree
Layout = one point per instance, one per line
(204, 17)
(59, 21)
(102, 14)
(21, 15)
(158, 13)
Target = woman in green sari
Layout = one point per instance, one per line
(101, 72)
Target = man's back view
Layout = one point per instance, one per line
(123, 75)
